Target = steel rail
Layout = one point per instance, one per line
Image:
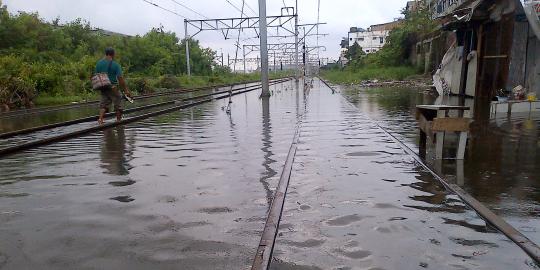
(500, 224)
(21, 112)
(37, 143)
(263, 256)
(95, 117)
(265, 249)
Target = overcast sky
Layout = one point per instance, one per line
(134, 17)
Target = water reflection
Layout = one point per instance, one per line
(502, 163)
(115, 154)
(269, 172)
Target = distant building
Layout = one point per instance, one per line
(413, 6)
(342, 55)
(372, 39)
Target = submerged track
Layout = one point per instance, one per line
(23, 112)
(145, 107)
(512, 233)
(194, 102)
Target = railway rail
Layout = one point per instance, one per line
(11, 134)
(193, 101)
(531, 248)
(23, 112)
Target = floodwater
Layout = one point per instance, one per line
(357, 201)
(191, 190)
(13, 122)
(187, 190)
(502, 166)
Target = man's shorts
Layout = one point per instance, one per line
(110, 96)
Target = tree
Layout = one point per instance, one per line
(416, 24)
(355, 52)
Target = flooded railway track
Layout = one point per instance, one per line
(131, 110)
(333, 192)
(528, 246)
(193, 101)
(23, 112)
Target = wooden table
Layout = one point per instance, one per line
(510, 104)
(434, 121)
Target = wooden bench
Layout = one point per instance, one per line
(434, 121)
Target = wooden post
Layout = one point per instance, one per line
(423, 144)
(440, 138)
(462, 145)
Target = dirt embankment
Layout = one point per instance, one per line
(422, 82)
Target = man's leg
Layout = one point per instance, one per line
(117, 101)
(104, 105)
(101, 119)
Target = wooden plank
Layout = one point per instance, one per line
(451, 124)
(495, 56)
(443, 107)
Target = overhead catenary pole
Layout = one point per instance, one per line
(187, 47)
(297, 67)
(244, 57)
(275, 68)
(264, 49)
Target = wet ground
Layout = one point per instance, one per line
(191, 190)
(502, 166)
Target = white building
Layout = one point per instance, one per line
(372, 39)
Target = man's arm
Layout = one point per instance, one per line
(124, 85)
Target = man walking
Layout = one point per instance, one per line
(111, 95)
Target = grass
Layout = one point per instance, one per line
(369, 73)
(185, 82)
(46, 100)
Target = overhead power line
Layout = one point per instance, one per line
(188, 8)
(235, 7)
(252, 10)
(165, 9)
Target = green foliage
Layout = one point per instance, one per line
(143, 85)
(169, 82)
(15, 92)
(355, 55)
(401, 40)
(392, 61)
(398, 44)
(59, 59)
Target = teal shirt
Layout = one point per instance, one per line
(102, 66)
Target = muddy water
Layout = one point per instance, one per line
(502, 166)
(357, 201)
(188, 190)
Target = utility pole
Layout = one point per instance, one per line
(275, 68)
(297, 68)
(244, 57)
(264, 48)
(187, 47)
(305, 54)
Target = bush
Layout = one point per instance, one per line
(141, 86)
(169, 82)
(16, 92)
